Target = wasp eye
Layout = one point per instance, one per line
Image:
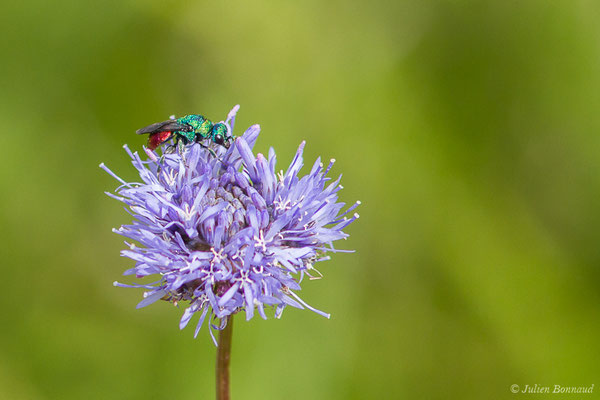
(218, 139)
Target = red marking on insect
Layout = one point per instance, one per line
(158, 138)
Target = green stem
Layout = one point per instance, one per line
(223, 358)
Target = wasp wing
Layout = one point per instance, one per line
(169, 125)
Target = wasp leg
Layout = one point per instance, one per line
(161, 160)
(211, 151)
(170, 149)
(180, 147)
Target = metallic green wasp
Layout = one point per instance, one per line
(192, 128)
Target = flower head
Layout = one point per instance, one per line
(225, 231)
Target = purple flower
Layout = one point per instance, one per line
(229, 233)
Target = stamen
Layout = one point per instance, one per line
(260, 240)
(217, 256)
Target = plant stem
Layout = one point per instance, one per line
(223, 358)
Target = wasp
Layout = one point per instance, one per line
(192, 128)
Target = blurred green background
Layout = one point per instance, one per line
(469, 131)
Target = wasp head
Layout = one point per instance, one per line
(220, 135)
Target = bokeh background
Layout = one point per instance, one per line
(468, 129)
